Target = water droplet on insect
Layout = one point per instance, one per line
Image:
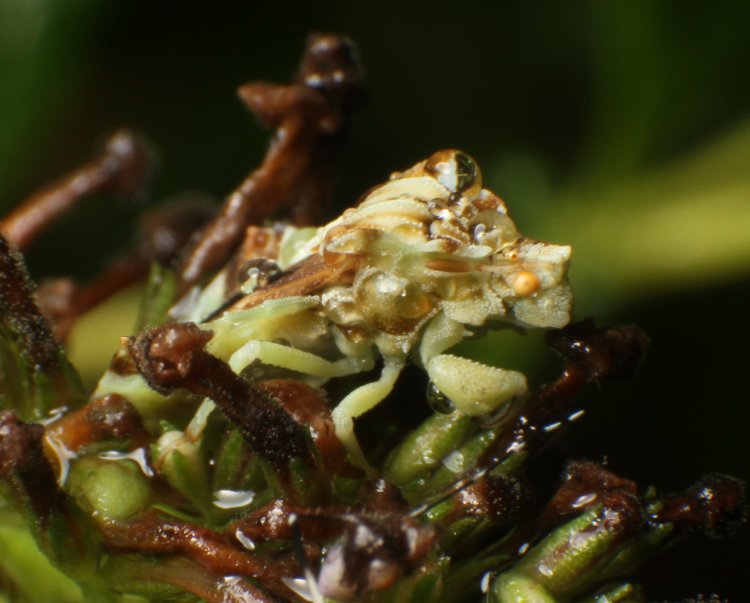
(479, 231)
(256, 273)
(138, 456)
(499, 415)
(249, 280)
(438, 401)
(233, 499)
(388, 285)
(438, 209)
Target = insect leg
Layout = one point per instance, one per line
(288, 357)
(359, 402)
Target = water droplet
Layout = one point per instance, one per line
(499, 415)
(545, 570)
(63, 457)
(438, 401)
(138, 456)
(576, 415)
(455, 461)
(233, 499)
(299, 586)
(387, 284)
(244, 540)
(438, 209)
(523, 548)
(256, 273)
(479, 231)
(484, 584)
(582, 500)
(53, 415)
(516, 446)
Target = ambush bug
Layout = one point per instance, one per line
(421, 262)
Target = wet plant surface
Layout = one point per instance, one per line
(188, 473)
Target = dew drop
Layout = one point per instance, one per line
(438, 401)
(438, 209)
(479, 231)
(300, 586)
(138, 456)
(256, 273)
(582, 500)
(499, 415)
(53, 415)
(484, 584)
(244, 540)
(64, 455)
(455, 462)
(233, 499)
(545, 570)
(387, 285)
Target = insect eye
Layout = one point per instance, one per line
(456, 171)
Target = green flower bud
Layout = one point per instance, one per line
(110, 489)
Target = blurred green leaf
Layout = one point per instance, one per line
(33, 578)
(683, 226)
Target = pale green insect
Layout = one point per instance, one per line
(421, 261)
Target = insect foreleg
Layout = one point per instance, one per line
(298, 360)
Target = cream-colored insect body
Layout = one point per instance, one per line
(422, 260)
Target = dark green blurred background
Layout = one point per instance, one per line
(620, 127)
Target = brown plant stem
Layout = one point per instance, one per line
(122, 167)
(311, 116)
(204, 546)
(173, 356)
